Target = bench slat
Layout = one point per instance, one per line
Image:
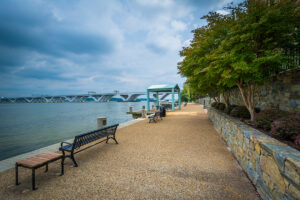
(39, 159)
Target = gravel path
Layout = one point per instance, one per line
(180, 157)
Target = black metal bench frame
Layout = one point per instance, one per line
(36, 167)
(84, 139)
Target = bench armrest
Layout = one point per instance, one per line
(61, 144)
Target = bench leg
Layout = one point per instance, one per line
(73, 159)
(107, 138)
(114, 138)
(46, 170)
(17, 175)
(33, 180)
(62, 165)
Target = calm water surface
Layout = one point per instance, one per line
(27, 127)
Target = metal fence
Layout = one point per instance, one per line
(291, 58)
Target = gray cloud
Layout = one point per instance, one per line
(55, 47)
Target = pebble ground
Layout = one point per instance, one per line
(179, 157)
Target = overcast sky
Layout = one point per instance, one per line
(72, 47)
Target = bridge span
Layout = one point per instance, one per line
(80, 98)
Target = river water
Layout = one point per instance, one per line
(27, 127)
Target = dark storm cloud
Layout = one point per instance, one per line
(41, 74)
(33, 27)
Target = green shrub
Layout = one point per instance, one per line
(257, 110)
(214, 104)
(286, 127)
(229, 108)
(241, 112)
(221, 106)
(265, 118)
(296, 140)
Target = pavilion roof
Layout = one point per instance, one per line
(164, 88)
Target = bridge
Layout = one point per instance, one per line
(80, 98)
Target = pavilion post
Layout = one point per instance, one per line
(173, 100)
(157, 99)
(179, 100)
(148, 101)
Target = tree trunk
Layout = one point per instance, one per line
(226, 96)
(216, 99)
(248, 97)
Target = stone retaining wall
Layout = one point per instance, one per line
(273, 167)
(281, 91)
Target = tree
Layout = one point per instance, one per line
(254, 48)
(241, 49)
(199, 64)
(186, 94)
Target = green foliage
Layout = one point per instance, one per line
(201, 78)
(257, 110)
(296, 140)
(265, 118)
(286, 127)
(240, 112)
(254, 47)
(214, 104)
(229, 108)
(242, 48)
(221, 106)
(186, 94)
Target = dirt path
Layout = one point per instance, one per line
(180, 157)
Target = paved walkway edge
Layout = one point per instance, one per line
(10, 162)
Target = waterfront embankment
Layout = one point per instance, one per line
(10, 162)
(180, 157)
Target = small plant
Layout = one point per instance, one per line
(297, 140)
(265, 118)
(241, 112)
(221, 106)
(286, 127)
(257, 110)
(229, 108)
(214, 104)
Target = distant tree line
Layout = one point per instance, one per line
(243, 48)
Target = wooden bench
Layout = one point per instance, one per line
(38, 161)
(154, 117)
(91, 138)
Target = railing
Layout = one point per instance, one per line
(292, 59)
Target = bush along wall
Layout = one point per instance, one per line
(272, 166)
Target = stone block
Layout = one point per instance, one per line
(271, 145)
(257, 148)
(269, 166)
(295, 88)
(262, 189)
(293, 191)
(252, 173)
(292, 170)
(293, 104)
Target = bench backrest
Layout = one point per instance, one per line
(85, 138)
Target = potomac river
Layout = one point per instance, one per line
(30, 126)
